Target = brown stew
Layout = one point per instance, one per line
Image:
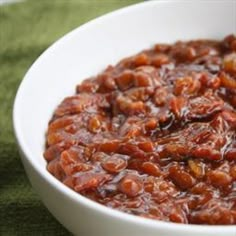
(155, 135)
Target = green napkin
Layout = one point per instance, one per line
(27, 28)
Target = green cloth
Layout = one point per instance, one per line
(26, 29)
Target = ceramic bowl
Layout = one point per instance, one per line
(84, 52)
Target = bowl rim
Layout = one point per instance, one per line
(59, 186)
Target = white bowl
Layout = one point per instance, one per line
(82, 53)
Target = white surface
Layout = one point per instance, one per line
(5, 2)
(84, 52)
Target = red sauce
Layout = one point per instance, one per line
(155, 135)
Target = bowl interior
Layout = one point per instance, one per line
(90, 48)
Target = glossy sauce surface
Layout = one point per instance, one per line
(154, 135)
